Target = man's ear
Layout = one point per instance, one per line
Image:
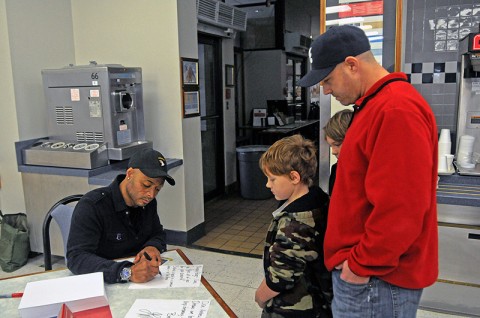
(352, 63)
(129, 173)
(295, 177)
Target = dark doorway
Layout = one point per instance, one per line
(211, 126)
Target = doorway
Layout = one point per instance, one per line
(211, 112)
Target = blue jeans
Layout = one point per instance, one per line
(377, 299)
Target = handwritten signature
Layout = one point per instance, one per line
(148, 313)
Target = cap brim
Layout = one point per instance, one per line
(170, 180)
(153, 173)
(315, 76)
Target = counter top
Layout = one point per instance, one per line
(101, 176)
(459, 190)
(285, 129)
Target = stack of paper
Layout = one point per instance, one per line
(45, 298)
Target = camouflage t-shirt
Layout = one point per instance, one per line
(293, 259)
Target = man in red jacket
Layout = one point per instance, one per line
(381, 240)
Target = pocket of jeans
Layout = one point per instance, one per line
(362, 285)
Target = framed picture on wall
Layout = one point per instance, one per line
(229, 75)
(189, 72)
(191, 104)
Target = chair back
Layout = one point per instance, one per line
(61, 212)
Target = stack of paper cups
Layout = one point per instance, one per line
(444, 148)
(465, 151)
(444, 143)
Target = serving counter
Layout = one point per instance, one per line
(267, 135)
(457, 289)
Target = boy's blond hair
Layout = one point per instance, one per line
(293, 153)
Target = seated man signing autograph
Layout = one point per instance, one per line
(119, 221)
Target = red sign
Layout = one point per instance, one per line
(476, 42)
(363, 9)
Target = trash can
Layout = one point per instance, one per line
(252, 179)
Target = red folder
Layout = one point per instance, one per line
(99, 312)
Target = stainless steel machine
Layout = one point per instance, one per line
(469, 98)
(95, 114)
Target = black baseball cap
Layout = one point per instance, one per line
(331, 48)
(151, 163)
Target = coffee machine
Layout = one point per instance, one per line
(94, 114)
(468, 123)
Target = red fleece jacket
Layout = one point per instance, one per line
(383, 212)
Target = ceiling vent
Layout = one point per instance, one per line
(297, 43)
(221, 14)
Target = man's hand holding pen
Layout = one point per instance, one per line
(146, 265)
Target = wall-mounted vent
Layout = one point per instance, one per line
(89, 136)
(305, 41)
(221, 14)
(297, 43)
(64, 115)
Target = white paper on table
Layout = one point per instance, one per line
(174, 276)
(81, 292)
(168, 308)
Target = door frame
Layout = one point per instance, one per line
(218, 96)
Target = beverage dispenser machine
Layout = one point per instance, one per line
(468, 124)
(94, 114)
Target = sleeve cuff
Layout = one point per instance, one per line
(120, 268)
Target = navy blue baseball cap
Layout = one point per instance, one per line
(331, 48)
(151, 163)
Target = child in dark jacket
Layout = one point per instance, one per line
(296, 283)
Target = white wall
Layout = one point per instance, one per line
(33, 35)
(192, 144)
(10, 180)
(40, 37)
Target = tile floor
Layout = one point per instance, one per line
(236, 225)
(235, 278)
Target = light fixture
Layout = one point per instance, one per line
(365, 26)
(344, 21)
(337, 9)
(375, 38)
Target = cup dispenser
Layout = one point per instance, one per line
(468, 124)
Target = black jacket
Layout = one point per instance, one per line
(103, 228)
(331, 180)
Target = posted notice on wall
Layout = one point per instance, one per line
(174, 276)
(168, 308)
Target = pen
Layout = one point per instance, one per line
(149, 259)
(13, 295)
(147, 256)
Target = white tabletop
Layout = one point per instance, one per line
(120, 297)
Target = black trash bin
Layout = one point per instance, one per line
(252, 179)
